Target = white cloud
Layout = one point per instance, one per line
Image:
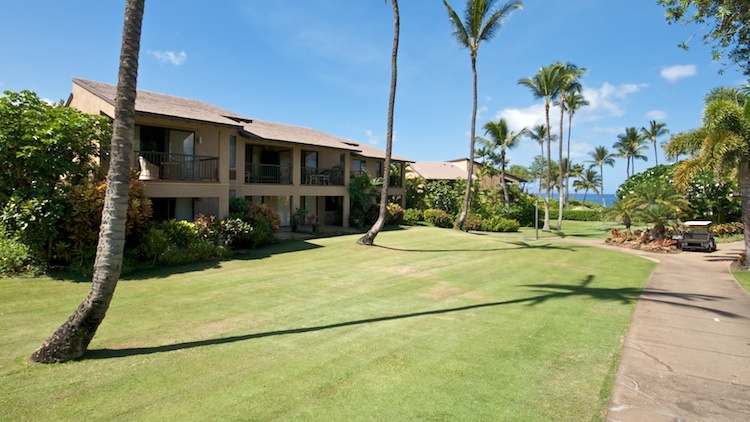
(372, 139)
(673, 73)
(603, 102)
(518, 118)
(170, 57)
(656, 115)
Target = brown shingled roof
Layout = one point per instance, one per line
(166, 105)
(153, 103)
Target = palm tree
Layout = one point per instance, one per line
(503, 138)
(482, 21)
(654, 131)
(73, 337)
(575, 171)
(568, 82)
(369, 237)
(539, 134)
(599, 157)
(545, 84)
(724, 141)
(574, 100)
(589, 180)
(630, 146)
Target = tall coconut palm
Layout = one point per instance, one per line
(588, 181)
(630, 146)
(73, 337)
(502, 138)
(369, 237)
(545, 84)
(482, 21)
(599, 157)
(654, 131)
(724, 142)
(574, 100)
(569, 82)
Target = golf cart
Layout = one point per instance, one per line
(697, 237)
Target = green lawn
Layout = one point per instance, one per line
(432, 324)
(743, 277)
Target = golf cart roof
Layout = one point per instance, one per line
(696, 223)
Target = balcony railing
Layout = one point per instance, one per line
(319, 176)
(268, 173)
(166, 166)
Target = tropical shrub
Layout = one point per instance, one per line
(473, 222)
(265, 223)
(578, 215)
(728, 229)
(15, 257)
(236, 232)
(445, 195)
(438, 218)
(412, 216)
(500, 224)
(395, 214)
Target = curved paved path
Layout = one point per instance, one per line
(686, 356)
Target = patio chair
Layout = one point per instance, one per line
(148, 171)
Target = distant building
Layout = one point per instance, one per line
(456, 169)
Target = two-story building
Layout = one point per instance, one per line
(194, 156)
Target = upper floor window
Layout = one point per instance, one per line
(232, 151)
(359, 166)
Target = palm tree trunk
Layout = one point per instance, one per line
(506, 195)
(601, 172)
(73, 337)
(567, 178)
(656, 156)
(470, 172)
(561, 178)
(369, 237)
(546, 227)
(744, 179)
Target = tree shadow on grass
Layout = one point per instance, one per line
(515, 245)
(547, 292)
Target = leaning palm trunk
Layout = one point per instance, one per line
(470, 171)
(73, 337)
(369, 237)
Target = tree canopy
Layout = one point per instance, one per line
(42, 146)
(725, 23)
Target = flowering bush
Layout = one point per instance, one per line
(438, 218)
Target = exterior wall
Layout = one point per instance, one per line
(88, 103)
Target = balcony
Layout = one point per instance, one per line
(319, 176)
(166, 166)
(268, 173)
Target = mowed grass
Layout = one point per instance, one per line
(432, 324)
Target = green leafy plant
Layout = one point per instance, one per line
(412, 216)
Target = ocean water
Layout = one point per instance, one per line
(591, 197)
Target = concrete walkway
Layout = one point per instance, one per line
(687, 354)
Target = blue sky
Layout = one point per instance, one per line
(325, 64)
